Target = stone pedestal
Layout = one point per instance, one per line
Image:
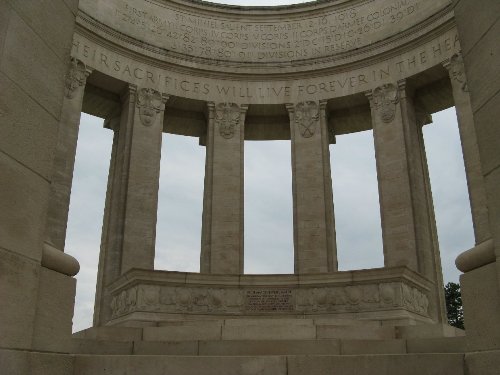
(408, 227)
(222, 231)
(64, 158)
(313, 219)
(470, 150)
(129, 228)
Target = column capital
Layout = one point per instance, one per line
(383, 100)
(227, 117)
(76, 77)
(456, 70)
(150, 102)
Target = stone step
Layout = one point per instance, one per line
(270, 347)
(267, 329)
(393, 364)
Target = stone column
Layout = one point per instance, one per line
(129, 226)
(222, 230)
(407, 212)
(64, 158)
(470, 150)
(314, 227)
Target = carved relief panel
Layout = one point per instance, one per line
(241, 301)
(75, 77)
(227, 119)
(150, 102)
(384, 100)
(306, 118)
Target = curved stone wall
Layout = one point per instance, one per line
(227, 74)
(278, 55)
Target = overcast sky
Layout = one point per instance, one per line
(268, 201)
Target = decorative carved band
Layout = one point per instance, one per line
(227, 117)
(384, 100)
(75, 77)
(150, 103)
(241, 301)
(306, 118)
(457, 71)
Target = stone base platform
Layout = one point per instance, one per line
(396, 296)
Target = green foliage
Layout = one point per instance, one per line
(454, 305)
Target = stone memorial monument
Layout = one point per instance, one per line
(225, 74)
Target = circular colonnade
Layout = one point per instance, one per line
(227, 74)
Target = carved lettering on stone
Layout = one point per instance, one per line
(150, 103)
(227, 117)
(457, 71)
(385, 98)
(306, 118)
(75, 77)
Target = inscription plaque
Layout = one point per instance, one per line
(269, 300)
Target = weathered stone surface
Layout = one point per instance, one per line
(128, 365)
(54, 315)
(409, 364)
(19, 286)
(484, 363)
(481, 298)
(36, 68)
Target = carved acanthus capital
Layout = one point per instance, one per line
(306, 118)
(150, 102)
(75, 77)
(457, 71)
(227, 118)
(384, 99)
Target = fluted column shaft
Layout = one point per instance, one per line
(314, 227)
(470, 150)
(222, 228)
(129, 226)
(65, 152)
(407, 212)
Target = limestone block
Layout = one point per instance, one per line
(131, 365)
(54, 315)
(437, 345)
(483, 68)
(484, 17)
(52, 20)
(355, 332)
(53, 364)
(26, 363)
(110, 333)
(209, 330)
(268, 329)
(484, 363)
(5, 13)
(408, 364)
(22, 209)
(425, 331)
(373, 347)
(481, 300)
(270, 347)
(33, 65)
(14, 362)
(166, 348)
(18, 290)
(89, 346)
(488, 134)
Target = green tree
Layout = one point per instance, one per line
(454, 308)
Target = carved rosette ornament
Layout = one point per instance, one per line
(306, 118)
(385, 98)
(150, 103)
(227, 117)
(457, 71)
(75, 77)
